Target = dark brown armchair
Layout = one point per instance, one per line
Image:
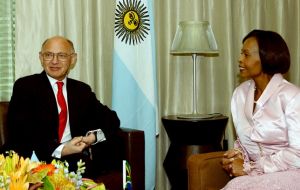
(131, 147)
(205, 171)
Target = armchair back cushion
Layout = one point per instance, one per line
(3, 120)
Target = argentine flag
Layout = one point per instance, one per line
(134, 94)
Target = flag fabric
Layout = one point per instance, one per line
(34, 158)
(134, 92)
(126, 176)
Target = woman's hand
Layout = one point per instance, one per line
(227, 160)
(232, 162)
(237, 167)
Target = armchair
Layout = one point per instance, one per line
(131, 146)
(205, 171)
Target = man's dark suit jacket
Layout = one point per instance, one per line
(33, 117)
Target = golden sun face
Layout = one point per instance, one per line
(131, 21)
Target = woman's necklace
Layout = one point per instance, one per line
(257, 94)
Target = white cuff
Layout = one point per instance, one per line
(98, 134)
(58, 150)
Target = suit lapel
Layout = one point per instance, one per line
(48, 101)
(72, 101)
(271, 88)
(47, 91)
(249, 101)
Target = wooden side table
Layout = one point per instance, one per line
(190, 137)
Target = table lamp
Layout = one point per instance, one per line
(194, 38)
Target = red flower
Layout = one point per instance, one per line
(49, 167)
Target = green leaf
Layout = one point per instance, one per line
(47, 184)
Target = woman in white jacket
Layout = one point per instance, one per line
(266, 115)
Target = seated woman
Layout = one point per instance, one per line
(266, 115)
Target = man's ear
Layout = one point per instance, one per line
(74, 60)
(41, 57)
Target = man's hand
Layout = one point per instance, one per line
(76, 145)
(90, 139)
(232, 163)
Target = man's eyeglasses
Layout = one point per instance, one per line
(48, 56)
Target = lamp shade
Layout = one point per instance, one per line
(194, 37)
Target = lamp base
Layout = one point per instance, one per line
(196, 116)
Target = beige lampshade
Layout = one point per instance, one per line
(194, 37)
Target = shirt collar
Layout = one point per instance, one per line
(53, 81)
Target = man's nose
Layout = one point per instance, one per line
(55, 58)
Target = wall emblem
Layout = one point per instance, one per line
(131, 21)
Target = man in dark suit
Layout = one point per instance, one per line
(33, 115)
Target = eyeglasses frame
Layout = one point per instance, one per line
(56, 55)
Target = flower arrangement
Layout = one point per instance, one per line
(17, 173)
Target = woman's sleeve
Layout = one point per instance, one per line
(289, 157)
(250, 167)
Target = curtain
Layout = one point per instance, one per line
(7, 29)
(89, 24)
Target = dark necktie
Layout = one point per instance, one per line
(63, 110)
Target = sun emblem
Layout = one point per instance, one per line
(132, 21)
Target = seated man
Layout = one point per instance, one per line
(58, 117)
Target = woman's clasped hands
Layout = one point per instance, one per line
(232, 163)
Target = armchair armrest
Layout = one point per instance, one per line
(134, 147)
(205, 171)
(130, 146)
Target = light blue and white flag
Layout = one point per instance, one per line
(134, 95)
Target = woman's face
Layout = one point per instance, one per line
(249, 60)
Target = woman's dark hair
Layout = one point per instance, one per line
(273, 51)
